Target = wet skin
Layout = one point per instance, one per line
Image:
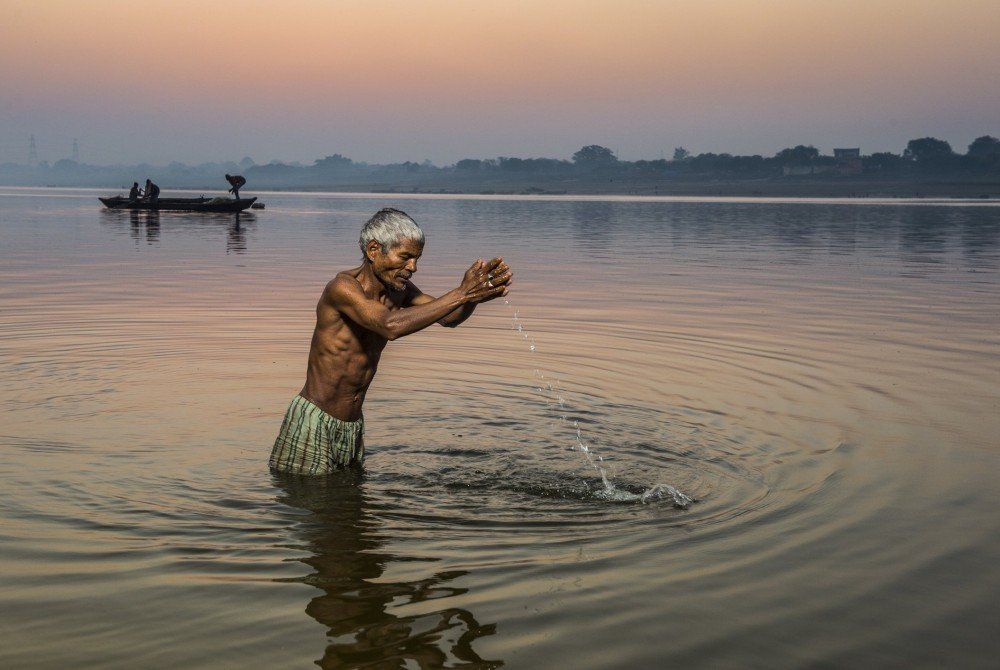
(362, 309)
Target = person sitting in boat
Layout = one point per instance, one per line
(152, 192)
(237, 182)
(135, 193)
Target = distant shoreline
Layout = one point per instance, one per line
(768, 189)
(928, 168)
(780, 191)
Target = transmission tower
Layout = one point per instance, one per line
(76, 151)
(32, 151)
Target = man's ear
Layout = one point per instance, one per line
(371, 248)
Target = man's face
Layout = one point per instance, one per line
(395, 266)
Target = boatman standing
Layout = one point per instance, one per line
(236, 181)
(360, 311)
(152, 192)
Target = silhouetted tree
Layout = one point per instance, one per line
(882, 162)
(797, 155)
(540, 164)
(985, 148)
(511, 164)
(928, 150)
(594, 154)
(659, 165)
(931, 154)
(680, 153)
(749, 165)
(983, 155)
(709, 162)
(468, 164)
(333, 162)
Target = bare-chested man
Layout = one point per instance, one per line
(360, 311)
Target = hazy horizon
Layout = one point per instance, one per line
(389, 82)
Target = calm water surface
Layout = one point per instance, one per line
(821, 377)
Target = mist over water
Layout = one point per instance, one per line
(716, 432)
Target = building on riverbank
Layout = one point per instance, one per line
(848, 161)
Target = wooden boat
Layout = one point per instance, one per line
(180, 204)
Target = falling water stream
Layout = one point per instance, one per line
(552, 392)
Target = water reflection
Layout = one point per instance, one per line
(926, 235)
(147, 225)
(594, 223)
(980, 238)
(348, 558)
(236, 239)
(144, 225)
(923, 234)
(153, 227)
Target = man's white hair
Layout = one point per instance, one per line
(389, 227)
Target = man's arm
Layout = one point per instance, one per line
(449, 320)
(501, 276)
(345, 294)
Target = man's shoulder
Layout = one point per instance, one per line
(343, 283)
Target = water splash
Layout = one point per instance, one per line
(551, 390)
(657, 492)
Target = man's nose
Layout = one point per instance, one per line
(411, 265)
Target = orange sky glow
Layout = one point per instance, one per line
(408, 80)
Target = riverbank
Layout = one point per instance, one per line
(770, 188)
(763, 188)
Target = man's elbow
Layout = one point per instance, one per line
(393, 331)
(391, 328)
(388, 331)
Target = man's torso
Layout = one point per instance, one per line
(343, 358)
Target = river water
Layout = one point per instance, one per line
(820, 377)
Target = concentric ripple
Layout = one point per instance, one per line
(717, 434)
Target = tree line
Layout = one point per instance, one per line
(591, 164)
(922, 156)
(927, 154)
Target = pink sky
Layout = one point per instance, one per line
(408, 80)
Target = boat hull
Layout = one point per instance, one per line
(180, 204)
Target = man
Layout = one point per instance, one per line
(236, 181)
(135, 193)
(152, 192)
(359, 312)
